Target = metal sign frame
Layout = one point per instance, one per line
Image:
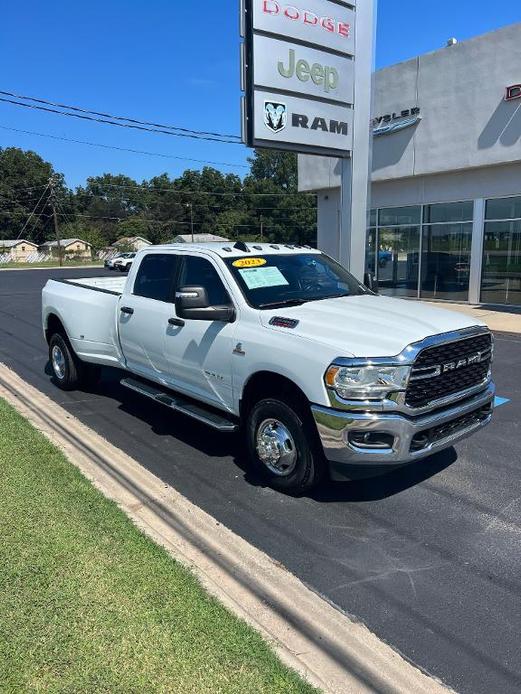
(252, 91)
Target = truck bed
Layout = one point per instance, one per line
(88, 308)
(115, 285)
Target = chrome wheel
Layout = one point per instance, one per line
(58, 362)
(276, 447)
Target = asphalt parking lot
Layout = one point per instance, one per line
(429, 558)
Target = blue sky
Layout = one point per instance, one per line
(173, 62)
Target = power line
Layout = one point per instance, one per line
(118, 118)
(97, 119)
(124, 149)
(201, 192)
(202, 205)
(18, 200)
(34, 210)
(171, 221)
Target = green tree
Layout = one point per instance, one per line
(24, 177)
(272, 197)
(85, 231)
(278, 167)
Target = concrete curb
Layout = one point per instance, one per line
(309, 635)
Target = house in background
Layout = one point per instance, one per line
(19, 250)
(132, 243)
(71, 248)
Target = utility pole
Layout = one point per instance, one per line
(261, 229)
(191, 206)
(52, 199)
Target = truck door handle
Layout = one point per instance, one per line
(176, 321)
(126, 309)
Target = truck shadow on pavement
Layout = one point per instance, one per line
(385, 484)
(162, 422)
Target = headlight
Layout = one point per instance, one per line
(367, 382)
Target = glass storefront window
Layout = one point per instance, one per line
(398, 260)
(501, 278)
(504, 208)
(372, 218)
(396, 216)
(445, 267)
(439, 266)
(449, 212)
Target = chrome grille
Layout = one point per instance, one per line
(441, 371)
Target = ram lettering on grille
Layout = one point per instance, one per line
(448, 369)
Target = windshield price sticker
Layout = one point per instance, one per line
(250, 262)
(264, 277)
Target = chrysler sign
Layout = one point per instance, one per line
(298, 68)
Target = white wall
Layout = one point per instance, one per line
(328, 222)
(489, 182)
(466, 123)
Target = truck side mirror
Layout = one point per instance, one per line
(191, 297)
(371, 282)
(192, 303)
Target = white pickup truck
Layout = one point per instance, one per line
(320, 373)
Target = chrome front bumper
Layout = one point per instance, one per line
(336, 427)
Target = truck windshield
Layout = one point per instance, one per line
(272, 281)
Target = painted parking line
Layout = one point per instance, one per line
(500, 401)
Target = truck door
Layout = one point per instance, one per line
(144, 312)
(198, 353)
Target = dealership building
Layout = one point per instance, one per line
(445, 218)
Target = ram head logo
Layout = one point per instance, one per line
(275, 116)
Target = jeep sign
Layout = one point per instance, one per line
(301, 70)
(298, 71)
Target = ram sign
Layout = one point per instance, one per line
(298, 64)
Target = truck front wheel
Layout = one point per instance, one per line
(283, 448)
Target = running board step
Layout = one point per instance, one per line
(179, 404)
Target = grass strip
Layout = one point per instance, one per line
(89, 604)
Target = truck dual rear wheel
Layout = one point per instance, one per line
(68, 370)
(282, 446)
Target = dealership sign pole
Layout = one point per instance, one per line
(306, 71)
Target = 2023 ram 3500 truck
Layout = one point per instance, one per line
(319, 372)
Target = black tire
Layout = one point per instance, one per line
(305, 458)
(68, 371)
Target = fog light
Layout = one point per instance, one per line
(420, 441)
(371, 439)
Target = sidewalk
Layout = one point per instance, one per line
(502, 320)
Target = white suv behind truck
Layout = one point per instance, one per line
(319, 373)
